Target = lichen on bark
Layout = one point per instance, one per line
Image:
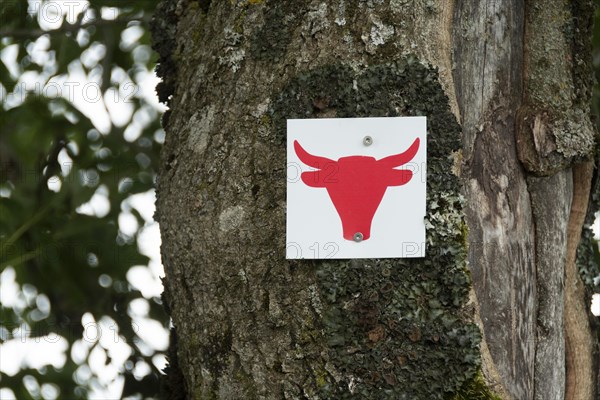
(251, 324)
(394, 328)
(554, 129)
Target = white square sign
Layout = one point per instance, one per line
(356, 187)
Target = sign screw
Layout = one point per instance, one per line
(358, 237)
(367, 140)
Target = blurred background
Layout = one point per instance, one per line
(80, 315)
(80, 309)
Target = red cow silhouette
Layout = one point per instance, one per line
(356, 184)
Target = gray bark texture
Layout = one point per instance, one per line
(497, 309)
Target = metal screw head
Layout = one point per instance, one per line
(367, 140)
(358, 237)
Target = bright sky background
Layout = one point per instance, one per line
(101, 338)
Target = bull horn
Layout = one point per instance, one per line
(397, 160)
(309, 159)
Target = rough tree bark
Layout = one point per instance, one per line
(497, 308)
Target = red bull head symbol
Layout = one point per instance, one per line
(356, 184)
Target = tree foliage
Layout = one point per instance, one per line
(64, 64)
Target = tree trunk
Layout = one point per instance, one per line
(506, 88)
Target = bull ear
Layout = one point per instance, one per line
(400, 159)
(313, 179)
(310, 160)
(398, 177)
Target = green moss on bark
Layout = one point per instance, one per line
(474, 389)
(270, 43)
(395, 328)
